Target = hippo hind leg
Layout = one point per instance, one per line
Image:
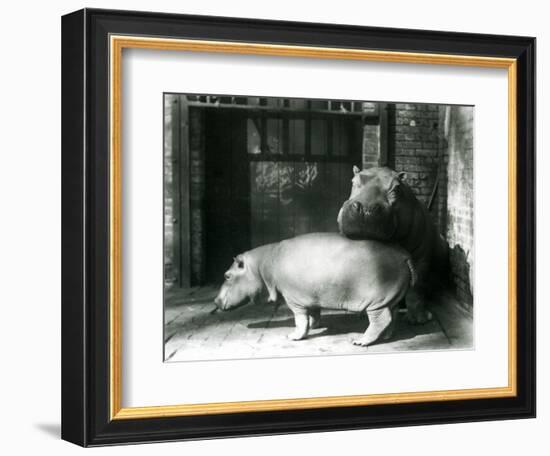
(416, 296)
(380, 326)
(314, 316)
(416, 311)
(388, 333)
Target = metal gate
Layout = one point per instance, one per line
(274, 173)
(274, 168)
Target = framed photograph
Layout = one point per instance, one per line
(279, 227)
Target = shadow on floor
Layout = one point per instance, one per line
(211, 316)
(336, 324)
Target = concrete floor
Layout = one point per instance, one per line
(195, 330)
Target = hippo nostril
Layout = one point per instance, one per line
(356, 206)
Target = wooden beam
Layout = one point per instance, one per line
(185, 194)
(282, 112)
(176, 168)
(181, 192)
(266, 157)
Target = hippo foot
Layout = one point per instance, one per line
(419, 317)
(362, 342)
(296, 335)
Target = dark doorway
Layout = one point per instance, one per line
(227, 192)
(270, 177)
(251, 173)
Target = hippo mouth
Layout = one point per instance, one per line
(225, 308)
(359, 222)
(221, 302)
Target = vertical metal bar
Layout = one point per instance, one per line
(329, 134)
(308, 130)
(286, 130)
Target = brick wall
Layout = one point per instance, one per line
(168, 192)
(197, 188)
(432, 144)
(414, 129)
(460, 227)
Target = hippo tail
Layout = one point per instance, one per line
(412, 271)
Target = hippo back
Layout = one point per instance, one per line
(331, 265)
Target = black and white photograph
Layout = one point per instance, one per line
(316, 227)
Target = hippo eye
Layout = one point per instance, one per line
(240, 264)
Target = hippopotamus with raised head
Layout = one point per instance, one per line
(323, 271)
(383, 207)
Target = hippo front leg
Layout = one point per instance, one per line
(301, 320)
(380, 324)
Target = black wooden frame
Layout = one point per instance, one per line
(85, 224)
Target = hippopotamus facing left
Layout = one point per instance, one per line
(323, 270)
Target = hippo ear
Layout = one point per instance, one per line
(402, 176)
(356, 170)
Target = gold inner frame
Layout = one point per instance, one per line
(117, 44)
